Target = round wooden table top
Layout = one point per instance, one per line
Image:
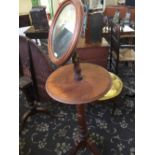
(62, 87)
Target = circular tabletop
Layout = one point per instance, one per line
(62, 86)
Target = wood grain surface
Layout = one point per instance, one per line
(61, 85)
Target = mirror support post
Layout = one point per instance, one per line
(77, 69)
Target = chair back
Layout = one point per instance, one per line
(24, 59)
(40, 71)
(122, 45)
(115, 37)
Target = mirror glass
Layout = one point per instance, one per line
(63, 30)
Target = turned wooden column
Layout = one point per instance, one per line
(82, 121)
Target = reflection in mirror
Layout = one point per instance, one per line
(63, 30)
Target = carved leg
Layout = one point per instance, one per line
(82, 122)
(92, 147)
(76, 148)
(114, 108)
(85, 142)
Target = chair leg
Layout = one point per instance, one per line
(110, 59)
(76, 148)
(114, 108)
(43, 110)
(116, 67)
(24, 118)
(32, 111)
(133, 66)
(92, 147)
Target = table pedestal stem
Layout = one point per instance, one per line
(85, 141)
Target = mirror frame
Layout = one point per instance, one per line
(77, 31)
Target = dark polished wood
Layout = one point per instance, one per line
(39, 17)
(24, 20)
(41, 69)
(121, 51)
(32, 33)
(77, 69)
(33, 109)
(78, 26)
(96, 53)
(33, 75)
(84, 137)
(77, 83)
(62, 86)
(94, 27)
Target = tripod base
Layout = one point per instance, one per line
(88, 144)
(85, 142)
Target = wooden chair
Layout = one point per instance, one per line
(121, 51)
(34, 70)
(25, 81)
(106, 28)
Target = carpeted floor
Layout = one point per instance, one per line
(113, 134)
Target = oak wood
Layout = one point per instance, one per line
(62, 86)
(78, 26)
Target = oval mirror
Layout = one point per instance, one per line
(64, 31)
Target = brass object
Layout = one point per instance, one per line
(116, 88)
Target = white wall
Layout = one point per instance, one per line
(111, 2)
(24, 6)
(55, 5)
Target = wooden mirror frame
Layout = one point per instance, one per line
(77, 31)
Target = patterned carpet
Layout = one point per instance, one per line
(113, 134)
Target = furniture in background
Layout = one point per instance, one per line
(34, 69)
(24, 20)
(96, 53)
(130, 2)
(39, 18)
(121, 50)
(94, 27)
(32, 33)
(110, 11)
(24, 23)
(25, 82)
(39, 24)
(41, 69)
(106, 29)
(124, 12)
